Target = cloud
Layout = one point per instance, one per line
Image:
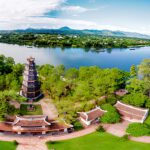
(19, 10)
(74, 9)
(21, 14)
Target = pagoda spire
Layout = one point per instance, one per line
(30, 86)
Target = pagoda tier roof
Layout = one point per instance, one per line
(131, 113)
(31, 121)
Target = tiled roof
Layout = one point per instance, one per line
(93, 114)
(131, 113)
(30, 121)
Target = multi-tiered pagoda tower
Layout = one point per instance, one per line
(31, 86)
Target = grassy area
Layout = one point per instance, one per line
(8, 145)
(98, 141)
(37, 110)
(147, 121)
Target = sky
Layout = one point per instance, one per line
(124, 15)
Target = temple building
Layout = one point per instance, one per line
(92, 116)
(34, 125)
(30, 86)
(131, 113)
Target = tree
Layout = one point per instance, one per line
(144, 69)
(136, 99)
(135, 85)
(144, 73)
(133, 71)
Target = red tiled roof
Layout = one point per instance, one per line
(55, 126)
(130, 112)
(93, 114)
(121, 92)
(30, 121)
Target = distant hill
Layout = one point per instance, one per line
(66, 30)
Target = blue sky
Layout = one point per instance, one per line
(126, 15)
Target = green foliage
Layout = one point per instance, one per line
(135, 85)
(136, 99)
(144, 72)
(111, 99)
(24, 111)
(111, 116)
(77, 125)
(5, 108)
(133, 71)
(82, 41)
(147, 121)
(6, 64)
(124, 138)
(4, 145)
(138, 129)
(80, 89)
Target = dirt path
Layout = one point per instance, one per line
(49, 108)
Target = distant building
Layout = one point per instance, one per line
(30, 86)
(121, 92)
(91, 116)
(131, 113)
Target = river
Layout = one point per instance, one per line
(76, 57)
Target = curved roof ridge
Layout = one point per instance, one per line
(133, 107)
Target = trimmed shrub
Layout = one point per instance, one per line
(111, 116)
(111, 99)
(77, 126)
(125, 137)
(108, 107)
(138, 129)
(15, 142)
(100, 129)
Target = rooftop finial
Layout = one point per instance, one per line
(30, 59)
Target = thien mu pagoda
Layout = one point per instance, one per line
(32, 124)
(30, 86)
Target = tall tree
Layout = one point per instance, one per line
(133, 71)
(144, 73)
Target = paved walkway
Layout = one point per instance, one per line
(117, 129)
(36, 143)
(49, 108)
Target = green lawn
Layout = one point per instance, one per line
(7, 145)
(147, 121)
(36, 111)
(98, 141)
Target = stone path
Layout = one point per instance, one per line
(36, 143)
(49, 108)
(117, 129)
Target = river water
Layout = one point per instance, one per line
(76, 57)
